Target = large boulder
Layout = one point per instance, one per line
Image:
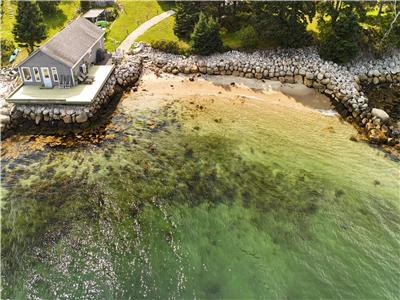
(67, 119)
(81, 118)
(4, 119)
(380, 113)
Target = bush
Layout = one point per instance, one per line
(111, 13)
(248, 36)
(168, 46)
(7, 48)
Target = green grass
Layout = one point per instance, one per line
(163, 31)
(67, 10)
(231, 40)
(133, 15)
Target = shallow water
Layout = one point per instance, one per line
(202, 198)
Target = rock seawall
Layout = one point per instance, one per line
(62, 116)
(343, 84)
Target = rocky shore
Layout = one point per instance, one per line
(13, 117)
(343, 84)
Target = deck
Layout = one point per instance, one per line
(80, 94)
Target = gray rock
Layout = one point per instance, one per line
(4, 119)
(38, 118)
(67, 119)
(310, 75)
(380, 113)
(81, 118)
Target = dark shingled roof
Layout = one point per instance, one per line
(71, 43)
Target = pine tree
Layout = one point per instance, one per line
(205, 37)
(48, 7)
(85, 5)
(187, 14)
(29, 28)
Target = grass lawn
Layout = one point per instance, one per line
(163, 31)
(67, 11)
(231, 40)
(133, 15)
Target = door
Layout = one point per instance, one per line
(46, 77)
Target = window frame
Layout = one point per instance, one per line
(30, 73)
(38, 78)
(52, 69)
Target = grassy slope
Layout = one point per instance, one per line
(165, 31)
(162, 31)
(67, 11)
(133, 15)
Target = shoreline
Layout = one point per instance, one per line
(294, 96)
(267, 71)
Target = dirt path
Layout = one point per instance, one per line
(130, 39)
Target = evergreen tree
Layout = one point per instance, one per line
(29, 28)
(85, 5)
(48, 7)
(339, 41)
(187, 14)
(205, 37)
(283, 22)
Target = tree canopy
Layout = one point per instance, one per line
(48, 7)
(205, 37)
(284, 21)
(340, 39)
(187, 13)
(29, 29)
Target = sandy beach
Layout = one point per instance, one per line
(294, 96)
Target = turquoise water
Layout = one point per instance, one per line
(201, 198)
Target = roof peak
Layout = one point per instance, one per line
(73, 41)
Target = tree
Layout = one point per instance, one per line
(48, 7)
(284, 22)
(187, 13)
(29, 28)
(7, 48)
(205, 37)
(339, 40)
(85, 5)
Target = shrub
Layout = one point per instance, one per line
(168, 46)
(7, 47)
(111, 13)
(248, 36)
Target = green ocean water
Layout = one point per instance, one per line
(206, 199)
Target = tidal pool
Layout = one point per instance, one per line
(202, 197)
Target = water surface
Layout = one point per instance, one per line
(201, 197)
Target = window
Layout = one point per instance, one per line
(45, 72)
(36, 74)
(55, 74)
(26, 72)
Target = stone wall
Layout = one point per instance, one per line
(58, 115)
(341, 83)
